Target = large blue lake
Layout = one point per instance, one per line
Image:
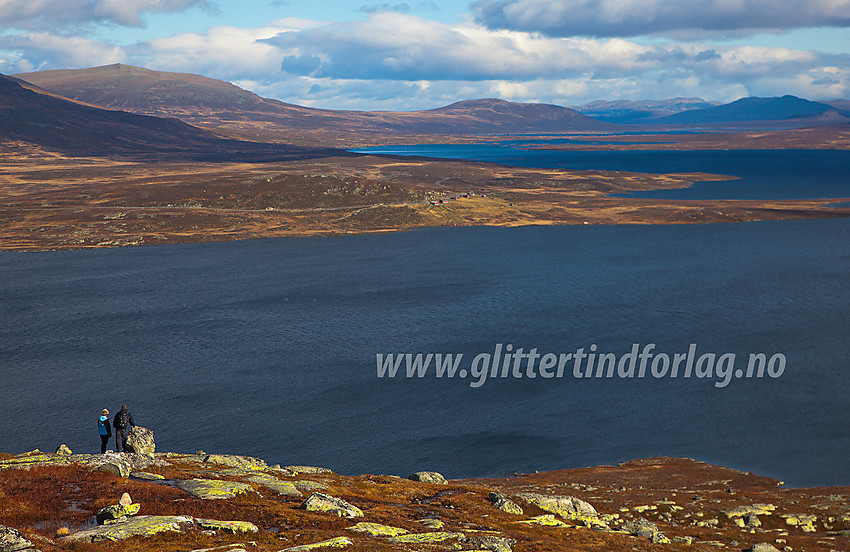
(761, 174)
(268, 347)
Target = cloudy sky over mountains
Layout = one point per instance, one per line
(422, 54)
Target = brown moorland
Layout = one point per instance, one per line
(690, 503)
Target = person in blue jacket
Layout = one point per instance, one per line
(104, 429)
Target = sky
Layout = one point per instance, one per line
(421, 54)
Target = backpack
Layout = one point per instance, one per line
(122, 420)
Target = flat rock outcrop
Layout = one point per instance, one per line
(213, 489)
(321, 502)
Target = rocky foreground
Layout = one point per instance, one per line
(221, 502)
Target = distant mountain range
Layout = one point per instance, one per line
(788, 111)
(204, 101)
(121, 108)
(630, 112)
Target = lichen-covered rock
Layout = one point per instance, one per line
(145, 526)
(645, 528)
(505, 504)
(491, 542)
(568, 507)
(11, 540)
(548, 520)
(806, 522)
(284, 488)
(227, 526)
(63, 450)
(236, 461)
(750, 509)
(309, 470)
(336, 542)
(116, 511)
(378, 530)
(321, 502)
(431, 523)
(211, 489)
(763, 547)
(307, 486)
(146, 475)
(426, 538)
(140, 440)
(31, 459)
(428, 477)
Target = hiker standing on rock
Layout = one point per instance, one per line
(122, 420)
(104, 429)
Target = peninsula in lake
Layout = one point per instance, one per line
(122, 155)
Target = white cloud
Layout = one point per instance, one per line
(43, 14)
(639, 17)
(398, 61)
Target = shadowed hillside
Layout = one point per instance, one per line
(217, 104)
(76, 129)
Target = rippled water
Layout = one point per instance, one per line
(268, 347)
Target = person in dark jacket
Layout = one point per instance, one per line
(104, 429)
(122, 423)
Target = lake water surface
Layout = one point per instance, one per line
(762, 174)
(268, 347)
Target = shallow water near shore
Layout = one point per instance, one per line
(268, 347)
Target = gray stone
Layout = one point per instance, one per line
(505, 504)
(64, 450)
(321, 502)
(642, 527)
(11, 540)
(140, 440)
(307, 486)
(147, 476)
(491, 542)
(763, 547)
(125, 500)
(428, 477)
(116, 468)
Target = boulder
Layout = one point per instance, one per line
(212, 489)
(426, 538)
(125, 500)
(236, 461)
(505, 504)
(645, 528)
(378, 530)
(491, 542)
(64, 450)
(428, 477)
(763, 547)
(336, 542)
(121, 469)
(140, 440)
(321, 502)
(138, 526)
(227, 526)
(11, 540)
(309, 470)
(568, 507)
(284, 488)
(116, 511)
